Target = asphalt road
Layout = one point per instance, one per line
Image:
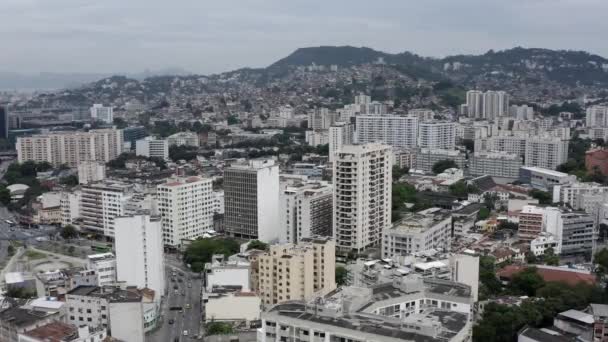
(188, 320)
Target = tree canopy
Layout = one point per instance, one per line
(200, 251)
(443, 165)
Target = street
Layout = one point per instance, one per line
(188, 320)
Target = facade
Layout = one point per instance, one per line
(362, 180)
(474, 105)
(547, 153)
(18, 320)
(522, 112)
(495, 164)
(101, 203)
(104, 266)
(296, 272)
(183, 139)
(393, 130)
(320, 119)
(409, 309)
(220, 308)
(340, 134)
(227, 274)
(316, 138)
(437, 135)
(544, 179)
(597, 116)
(426, 158)
(134, 133)
(305, 211)
(597, 159)
(575, 194)
(101, 113)
(421, 231)
(576, 232)
(4, 123)
(91, 171)
(530, 222)
(140, 252)
(71, 148)
(251, 195)
(152, 148)
(70, 206)
(186, 209)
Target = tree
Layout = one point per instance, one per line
(183, 152)
(257, 244)
(341, 275)
(71, 250)
(601, 261)
(483, 213)
(5, 196)
(527, 282)
(462, 189)
(469, 144)
(219, 328)
(508, 225)
(550, 258)
(531, 258)
(68, 232)
(71, 180)
(443, 165)
(490, 285)
(18, 292)
(399, 171)
(200, 251)
(232, 120)
(120, 123)
(542, 196)
(10, 250)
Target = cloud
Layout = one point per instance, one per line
(211, 36)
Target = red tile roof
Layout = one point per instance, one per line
(567, 276)
(52, 332)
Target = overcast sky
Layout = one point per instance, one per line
(207, 36)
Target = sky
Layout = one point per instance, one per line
(210, 36)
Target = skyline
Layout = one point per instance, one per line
(83, 36)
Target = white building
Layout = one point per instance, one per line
(183, 139)
(306, 210)
(474, 104)
(572, 193)
(495, 104)
(597, 116)
(186, 208)
(437, 135)
(522, 112)
(393, 130)
(546, 152)
(320, 119)
(140, 252)
(101, 113)
(220, 308)
(362, 179)
(150, 147)
(495, 164)
(340, 134)
(104, 265)
(426, 158)
(544, 179)
(422, 114)
(101, 203)
(544, 241)
(318, 137)
(218, 202)
(251, 194)
(91, 171)
(220, 273)
(70, 206)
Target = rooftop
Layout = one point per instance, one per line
(545, 171)
(551, 274)
(54, 332)
(543, 336)
(112, 294)
(19, 316)
(420, 221)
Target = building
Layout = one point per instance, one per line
(543, 242)
(18, 320)
(547, 153)
(117, 310)
(523, 112)
(596, 160)
(57, 331)
(186, 209)
(219, 307)
(101, 113)
(393, 130)
(544, 179)
(316, 138)
(70, 148)
(495, 164)
(4, 123)
(417, 232)
(575, 193)
(227, 274)
(530, 222)
(70, 206)
(576, 233)
(412, 309)
(597, 116)
(495, 104)
(474, 104)
(101, 203)
(320, 119)
(251, 194)
(362, 180)
(305, 211)
(104, 266)
(91, 172)
(340, 134)
(297, 271)
(152, 148)
(437, 135)
(183, 139)
(140, 253)
(426, 158)
(134, 133)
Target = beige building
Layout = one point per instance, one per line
(297, 272)
(71, 148)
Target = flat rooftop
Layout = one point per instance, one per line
(420, 221)
(113, 295)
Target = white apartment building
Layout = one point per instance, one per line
(186, 208)
(101, 113)
(306, 210)
(71, 148)
(221, 273)
(474, 104)
(340, 134)
(522, 112)
(495, 164)
(426, 158)
(597, 116)
(70, 206)
(251, 195)
(101, 203)
(572, 192)
(417, 232)
(321, 119)
(422, 114)
(546, 152)
(393, 130)
(362, 179)
(218, 202)
(316, 138)
(183, 139)
(437, 135)
(91, 171)
(150, 147)
(104, 265)
(140, 252)
(495, 104)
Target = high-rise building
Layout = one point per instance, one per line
(597, 116)
(547, 153)
(437, 135)
(474, 104)
(495, 164)
(104, 265)
(101, 203)
(495, 104)
(362, 176)
(362, 99)
(306, 210)
(393, 130)
(321, 119)
(4, 123)
(152, 148)
(91, 171)
(101, 113)
(139, 252)
(251, 195)
(71, 148)
(340, 134)
(530, 222)
(316, 138)
(297, 272)
(132, 134)
(522, 112)
(186, 208)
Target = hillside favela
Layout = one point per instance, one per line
(269, 171)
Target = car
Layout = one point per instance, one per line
(185, 333)
(187, 306)
(171, 321)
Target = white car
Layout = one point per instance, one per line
(185, 332)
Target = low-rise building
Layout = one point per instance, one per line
(220, 307)
(183, 139)
(221, 273)
(62, 332)
(104, 266)
(152, 148)
(544, 179)
(495, 164)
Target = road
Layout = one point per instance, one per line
(189, 319)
